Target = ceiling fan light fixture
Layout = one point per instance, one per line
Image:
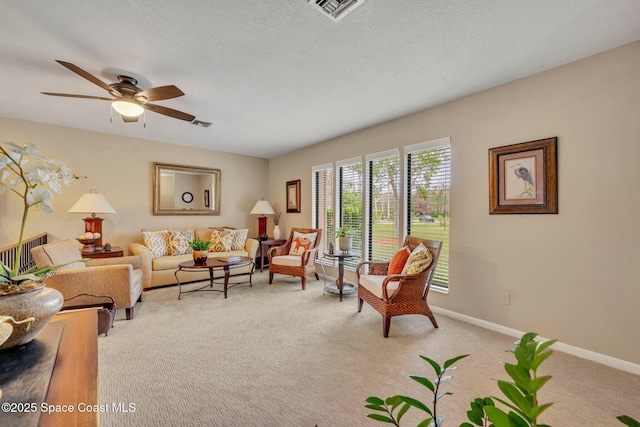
(127, 108)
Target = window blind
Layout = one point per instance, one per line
(350, 204)
(429, 188)
(383, 204)
(324, 217)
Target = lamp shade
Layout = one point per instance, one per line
(262, 208)
(92, 203)
(127, 108)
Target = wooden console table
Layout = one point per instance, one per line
(75, 374)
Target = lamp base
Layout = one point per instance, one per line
(94, 225)
(262, 227)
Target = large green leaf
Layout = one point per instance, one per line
(625, 419)
(434, 364)
(538, 383)
(519, 375)
(499, 418)
(375, 400)
(416, 403)
(535, 412)
(454, 360)
(382, 418)
(425, 382)
(515, 396)
(537, 361)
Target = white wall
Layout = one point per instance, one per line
(571, 276)
(122, 170)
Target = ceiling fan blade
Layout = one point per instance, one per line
(159, 93)
(169, 112)
(68, 95)
(128, 119)
(88, 76)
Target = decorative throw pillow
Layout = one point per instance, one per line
(179, 242)
(399, 260)
(220, 240)
(302, 242)
(419, 260)
(238, 239)
(157, 242)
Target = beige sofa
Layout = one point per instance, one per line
(162, 268)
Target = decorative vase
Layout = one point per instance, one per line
(41, 303)
(345, 243)
(200, 257)
(276, 232)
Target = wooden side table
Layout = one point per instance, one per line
(116, 251)
(264, 247)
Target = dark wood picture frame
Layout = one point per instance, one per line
(293, 196)
(523, 178)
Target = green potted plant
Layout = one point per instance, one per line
(25, 172)
(343, 234)
(200, 249)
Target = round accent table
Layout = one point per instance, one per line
(341, 287)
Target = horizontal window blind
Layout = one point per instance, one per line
(324, 217)
(429, 187)
(383, 205)
(350, 204)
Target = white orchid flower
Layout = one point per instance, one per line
(4, 161)
(40, 196)
(62, 171)
(33, 151)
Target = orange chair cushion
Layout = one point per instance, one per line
(399, 260)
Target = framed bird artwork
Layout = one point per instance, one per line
(523, 178)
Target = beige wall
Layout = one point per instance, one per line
(122, 170)
(571, 276)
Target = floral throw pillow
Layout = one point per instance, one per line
(157, 242)
(419, 260)
(302, 242)
(179, 242)
(239, 239)
(221, 240)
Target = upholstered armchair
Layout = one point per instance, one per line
(400, 286)
(297, 257)
(119, 278)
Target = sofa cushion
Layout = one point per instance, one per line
(238, 239)
(157, 242)
(373, 283)
(419, 260)
(221, 240)
(302, 242)
(179, 242)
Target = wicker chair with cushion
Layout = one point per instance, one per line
(297, 257)
(400, 286)
(119, 278)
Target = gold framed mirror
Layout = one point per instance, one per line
(185, 190)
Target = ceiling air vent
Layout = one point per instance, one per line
(200, 123)
(335, 9)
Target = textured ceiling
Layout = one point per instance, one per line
(276, 76)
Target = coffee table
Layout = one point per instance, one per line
(212, 265)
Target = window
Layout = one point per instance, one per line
(349, 202)
(323, 214)
(383, 205)
(428, 178)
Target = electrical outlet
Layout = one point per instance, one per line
(505, 298)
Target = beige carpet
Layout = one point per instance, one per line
(274, 355)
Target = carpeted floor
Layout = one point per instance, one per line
(274, 355)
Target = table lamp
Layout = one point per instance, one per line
(92, 203)
(262, 208)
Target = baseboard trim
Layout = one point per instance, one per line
(565, 348)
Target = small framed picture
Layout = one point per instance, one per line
(293, 196)
(523, 178)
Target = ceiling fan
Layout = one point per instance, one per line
(128, 99)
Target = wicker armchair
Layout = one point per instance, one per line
(295, 265)
(397, 294)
